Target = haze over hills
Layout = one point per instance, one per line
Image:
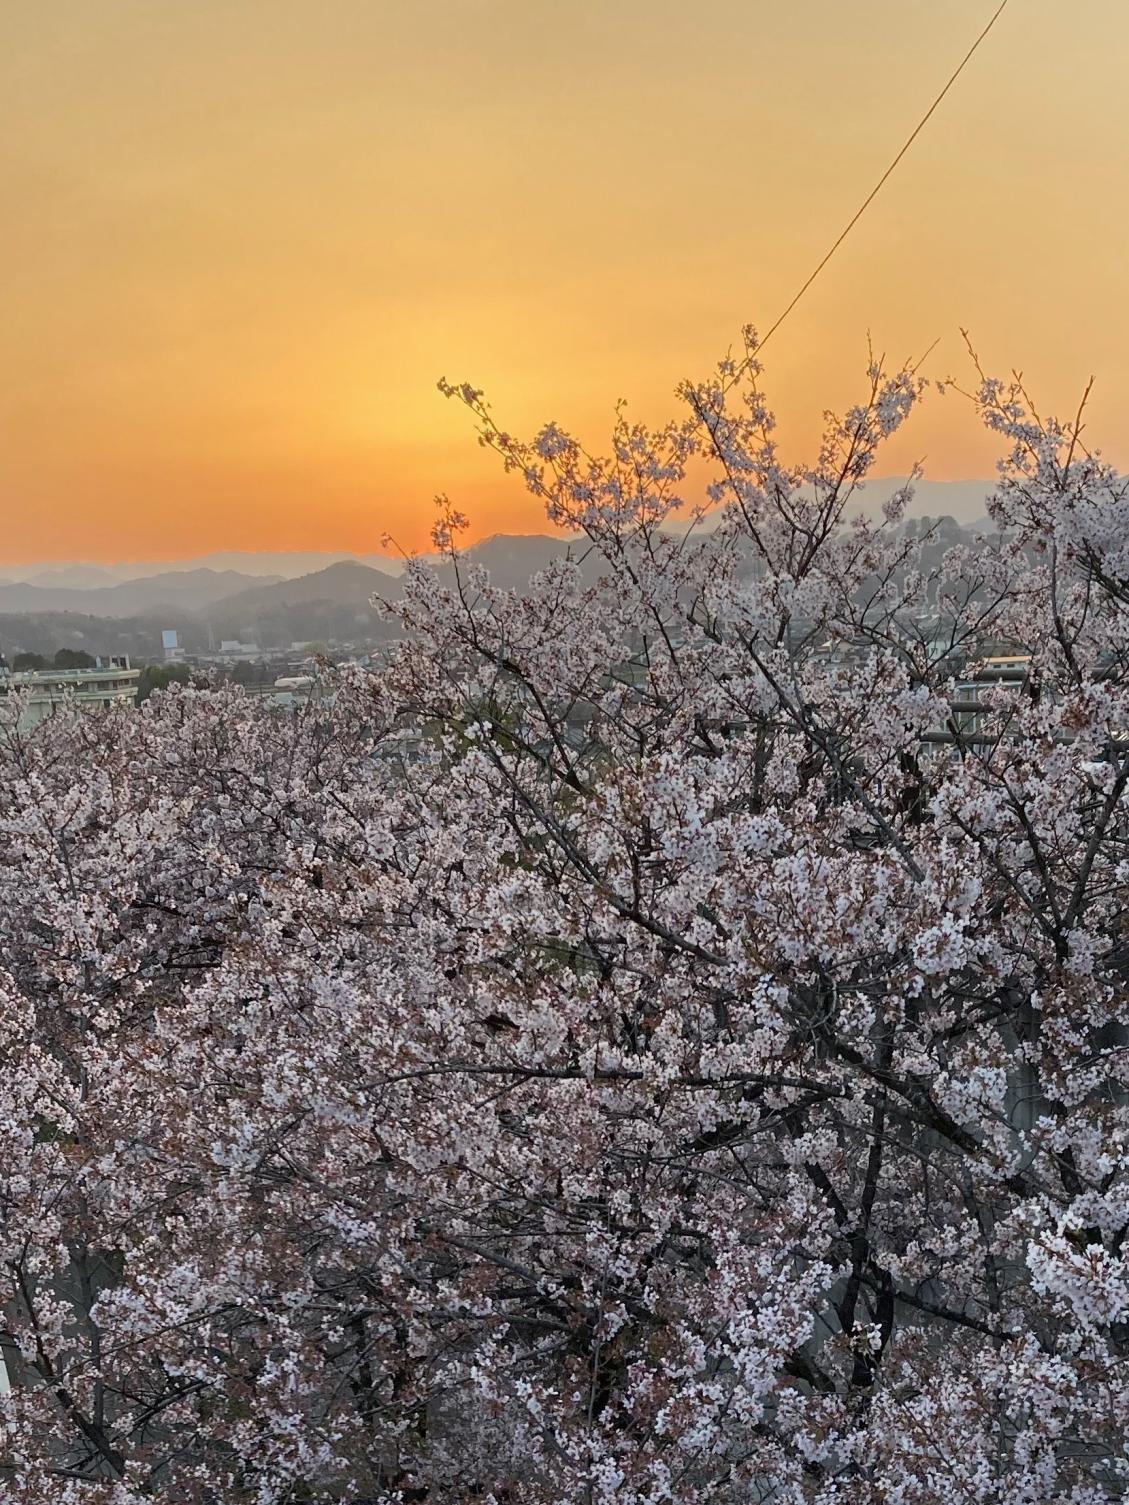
(333, 603)
(962, 500)
(256, 565)
(192, 589)
(328, 604)
(71, 576)
(208, 606)
(347, 581)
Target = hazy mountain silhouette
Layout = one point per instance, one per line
(81, 576)
(347, 583)
(962, 500)
(258, 567)
(332, 603)
(191, 589)
(511, 558)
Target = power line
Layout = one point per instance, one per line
(874, 191)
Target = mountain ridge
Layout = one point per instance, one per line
(196, 589)
(962, 500)
(329, 604)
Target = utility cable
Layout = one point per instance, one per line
(874, 191)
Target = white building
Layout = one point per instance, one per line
(1008, 671)
(43, 691)
(296, 690)
(170, 644)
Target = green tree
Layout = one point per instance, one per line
(29, 661)
(159, 677)
(73, 658)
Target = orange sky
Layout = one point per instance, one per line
(242, 239)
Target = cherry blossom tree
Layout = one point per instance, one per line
(646, 1044)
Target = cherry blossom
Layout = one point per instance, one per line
(641, 1045)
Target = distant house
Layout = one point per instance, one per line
(1005, 670)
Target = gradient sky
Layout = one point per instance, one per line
(242, 239)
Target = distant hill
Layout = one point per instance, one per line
(190, 589)
(511, 558)
(258, 567)
(330, 603)
(80, 577)
(962, 500)
(336, 602)
(347, 583)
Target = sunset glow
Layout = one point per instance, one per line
(243, 240)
